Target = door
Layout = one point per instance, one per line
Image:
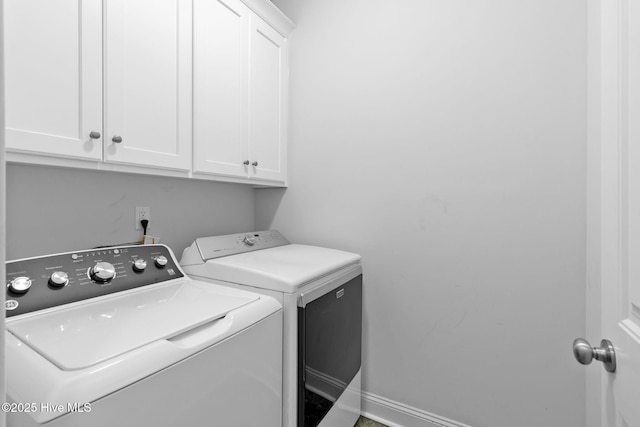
(53, 71)
(614, 232)
(148, 82)
(220, 87)
(268, 95)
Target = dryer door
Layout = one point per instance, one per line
(329, 349)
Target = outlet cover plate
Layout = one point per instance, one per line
(143, 212)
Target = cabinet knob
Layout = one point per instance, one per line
(246, 163)
(94, 135)
(254, 164)
(117, 139)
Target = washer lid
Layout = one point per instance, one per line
(283, 268)
(87, 334)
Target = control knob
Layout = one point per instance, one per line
(139, 265)
(102, 272)
(249, 240)
(59, 279)
(20, 285)
(161, 261)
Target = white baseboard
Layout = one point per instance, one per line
(395, 414)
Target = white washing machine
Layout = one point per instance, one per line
(321, 292)
(121, 337)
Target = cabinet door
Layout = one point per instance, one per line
(148, 82)
(220, 116)
(268, 96)
(53, 72)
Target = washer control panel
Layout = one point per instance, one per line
(233, 244)
(52, 280)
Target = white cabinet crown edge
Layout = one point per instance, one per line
(272, 15)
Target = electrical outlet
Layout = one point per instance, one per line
(142, 213)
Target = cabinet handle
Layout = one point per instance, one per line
(254, 164)
(246, 163)
(117, 139)
(94, 135)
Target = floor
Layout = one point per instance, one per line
(366, 422)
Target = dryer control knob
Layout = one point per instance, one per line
(161, 261)
(139, 265)
(59, 279)
(102, 272)
(249, 240)
(20, 285)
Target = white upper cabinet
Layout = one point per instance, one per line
(220, 87)
(267, 105)
(148, 82)
(240, 83)
(188, 88)
(53, 77)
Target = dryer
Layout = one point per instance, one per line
(321, 293)
(120, 336)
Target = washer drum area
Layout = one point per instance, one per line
(121, 337)
(321, 292)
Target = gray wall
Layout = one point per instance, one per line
(53, 210)
(445, 141)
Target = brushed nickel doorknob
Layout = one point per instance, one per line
(584, 353)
